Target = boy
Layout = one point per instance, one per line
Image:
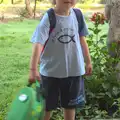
(61, 59)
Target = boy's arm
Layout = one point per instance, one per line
(38, 39)
(35, 58)
(34, 73)
(85, 50)
(86, 55)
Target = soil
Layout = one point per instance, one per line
(13, 16)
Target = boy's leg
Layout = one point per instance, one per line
(69, 114)
(72, 95)
(47, 115)
(51, 91)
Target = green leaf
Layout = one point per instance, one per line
(101, 40)
(115, 91)
(86, 112)
(103, 49)
(104, 36)
(96, 31)
(92, 29)
(100, 95)
(108, 94)
(105, 86)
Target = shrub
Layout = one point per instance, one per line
(102, 88)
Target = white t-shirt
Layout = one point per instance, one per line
(62, 56)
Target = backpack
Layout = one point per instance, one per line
(52, 20)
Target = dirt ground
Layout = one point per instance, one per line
(12, 14)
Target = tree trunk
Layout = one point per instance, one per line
(35, 8)
(28, 8)
(12, 1)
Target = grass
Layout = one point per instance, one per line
(15, 52)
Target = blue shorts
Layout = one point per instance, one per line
(63, 92)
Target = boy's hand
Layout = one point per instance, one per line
(88, 69)
(33, 76)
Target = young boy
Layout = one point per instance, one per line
(61, 54)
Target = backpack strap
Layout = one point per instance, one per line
(52, 19)
(80, 19)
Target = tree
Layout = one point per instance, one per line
(35, 8)
(12, 1)
(28, 8)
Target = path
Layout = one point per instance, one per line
(8, 12)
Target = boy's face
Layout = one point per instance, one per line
(66, 3)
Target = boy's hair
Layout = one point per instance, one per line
(53, 2)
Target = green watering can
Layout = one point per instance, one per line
(29, 104)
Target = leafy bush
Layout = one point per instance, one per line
(102, 88)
